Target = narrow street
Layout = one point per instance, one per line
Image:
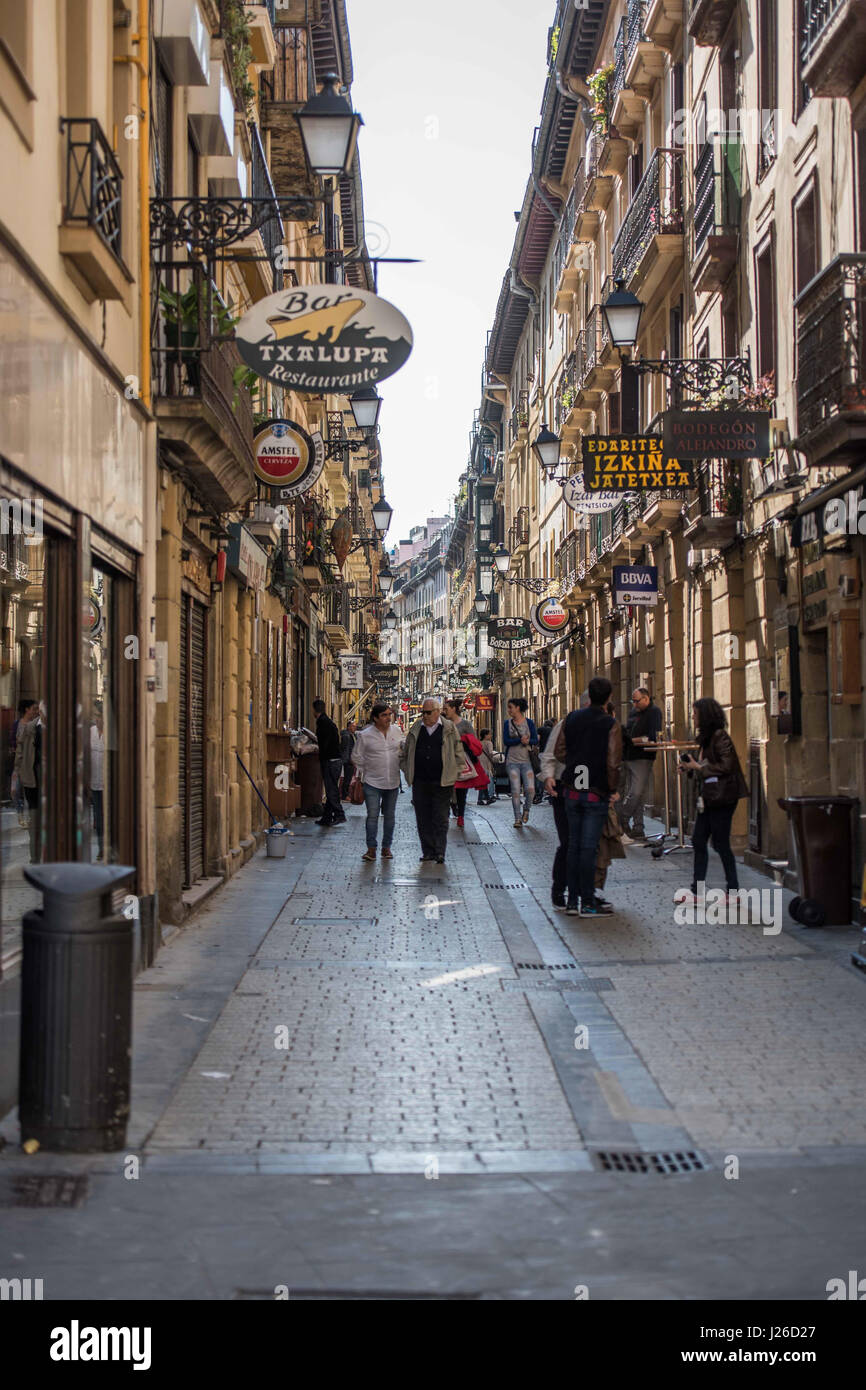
(355, 1079)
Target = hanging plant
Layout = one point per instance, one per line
(236, 32)
(600, 84)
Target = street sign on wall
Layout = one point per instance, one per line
(329, 339)
(636, 584)
(632, 463)
(715, 434)
(351, 671)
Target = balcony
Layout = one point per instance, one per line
(284, 91)
(91, 230)
(627, 106)
(211, 113)
(206, 420)
(518, 535)
(663, 22)
(261, 17)
(644, 60)
(338, 620)
(518, 424)
(714, 519)
(565, 272)
(833, 46)
(831, 356)
(709, 19)
(592, 188)
(717, 214)
(648, 250)
(598, 369)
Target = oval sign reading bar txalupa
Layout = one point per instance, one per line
(324, 338)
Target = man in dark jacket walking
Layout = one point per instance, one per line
(642, 729)
(593, 755)
(331, 764)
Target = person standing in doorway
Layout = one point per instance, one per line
(331, 764)
(520, 738)
(27, 709)
(377, 760)
(28, 769)
(642, 730)
(347, 744)
(593, 756)
(97, 779)
(431, 761)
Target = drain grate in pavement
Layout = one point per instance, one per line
(334, 921)
(504, 885)
(589, 986)
(50, 1190)
(406, 882)
(373, 1295)
(540, 965)
(667, 1164)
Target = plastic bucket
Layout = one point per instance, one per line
(277, 842)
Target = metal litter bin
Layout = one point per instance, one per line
(76, 1010)
(823, 839)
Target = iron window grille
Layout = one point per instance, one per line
(831, 342)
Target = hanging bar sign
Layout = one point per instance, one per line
(632, 463)
(324, 339)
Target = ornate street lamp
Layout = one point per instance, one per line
(386, 581)
(502, 559)
(389, 622)
(622, 311)
(329, 130)
(366, 405)
(382, 516)
(482, 604)
(547, 449)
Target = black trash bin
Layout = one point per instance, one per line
(76, 1010)
(822, 834)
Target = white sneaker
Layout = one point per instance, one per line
(626, 839)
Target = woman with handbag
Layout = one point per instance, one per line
(520, 738)
(451, 710)
(376, 756)
(722, 784)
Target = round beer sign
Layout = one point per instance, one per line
(549, 617)
(324, 339)
(288, 458)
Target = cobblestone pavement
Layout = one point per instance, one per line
(404, 1007)
(328, 1034)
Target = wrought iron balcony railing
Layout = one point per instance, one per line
(590, 344)
(815, 17)
(717, 196)
(293, 77)
(657, 207)
(831, 343)
(519, 533)
(566, 390)
(635, 33)
(93, 183)
(269, 5)
(620, 44)
(519, 416)
(273, 233)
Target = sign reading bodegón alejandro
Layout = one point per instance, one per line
(714, 434)
(631, 463)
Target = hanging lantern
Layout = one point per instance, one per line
(341, 537)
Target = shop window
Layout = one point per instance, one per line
(107, 829)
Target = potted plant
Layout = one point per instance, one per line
(599, 84)
(183, 315)
(236, 32)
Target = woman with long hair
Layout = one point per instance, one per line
(520, 739)
(722, 785)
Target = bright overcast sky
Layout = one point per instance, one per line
(450, 94)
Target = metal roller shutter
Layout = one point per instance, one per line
(191, 741)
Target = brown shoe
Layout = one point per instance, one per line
(369, 856)
(386, 854)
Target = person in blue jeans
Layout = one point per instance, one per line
(376, 756)
(519, 735)
(593, 760)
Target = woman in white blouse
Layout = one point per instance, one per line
(376, 756)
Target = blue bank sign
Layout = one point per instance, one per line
(635, 584)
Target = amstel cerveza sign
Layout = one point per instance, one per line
(324, 338)
(631, 463)
(550, 618)
(288, 459)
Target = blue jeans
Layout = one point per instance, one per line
(521, 774)
(376, 800)
(586, 821)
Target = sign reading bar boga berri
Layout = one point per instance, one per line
(632, 463)
(717, 434)
(509, 634)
